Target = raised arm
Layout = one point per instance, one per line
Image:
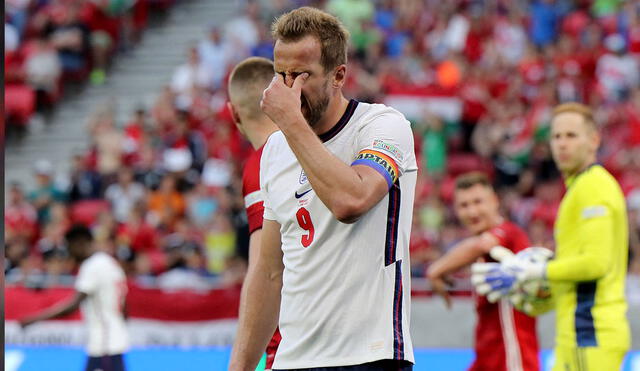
(260, 301)
(461, 255)
(348, 190)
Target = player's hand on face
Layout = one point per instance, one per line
(282, 103)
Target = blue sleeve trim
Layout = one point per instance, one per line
(377, 167)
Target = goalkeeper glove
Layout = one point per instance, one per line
(497, 280)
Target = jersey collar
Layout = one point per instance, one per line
(346, 116)
(572, 179)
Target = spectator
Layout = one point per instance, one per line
(604, 8)
(56, 267)
(215, 56)
(137, 234)
(147, 169)
(201, 205)
(70, 37)
(20, 217)
(220, 242)
(398, 38)
(124, 195)
(11, 38)
(422, 253)
(185, 77)
(432, 217)
(135, 135)
(545, 15)
(512, 38)
(18, 13)
(108, 143)
(242, 31)
(185, 271)
(191, 140)
(352, 13)
(43, 70)
(617, 71)
(264, 48)
(166, 204)
(434, 147)
(53, 232)
(16, 256)
(110, 24)
(105, 227)
(163, 111)
(46, 193)
(455, 35)
(86, 184)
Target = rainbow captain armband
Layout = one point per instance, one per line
(380, 162)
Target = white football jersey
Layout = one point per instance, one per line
(346, 287)
(104, 282)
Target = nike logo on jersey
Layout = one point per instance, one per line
(298, 195)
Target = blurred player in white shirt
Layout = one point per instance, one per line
(338, 183)
(100, 292)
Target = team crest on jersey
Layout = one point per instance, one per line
(303, 177)
(388, 147)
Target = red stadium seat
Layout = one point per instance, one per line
(459, 163)
(86, 212)
(19, 103)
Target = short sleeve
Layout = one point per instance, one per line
(87, 281)
(385, 144)
(500, 234)
(268, 212)
(253, 199)
(510, 236)
(254, 207)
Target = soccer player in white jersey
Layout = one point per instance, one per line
(338, 182)
(100, 292)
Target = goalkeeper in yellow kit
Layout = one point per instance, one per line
(587, 275)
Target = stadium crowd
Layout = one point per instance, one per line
(163, 190)
(48, 43)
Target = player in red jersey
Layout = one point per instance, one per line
(246, 84)
(505, 339)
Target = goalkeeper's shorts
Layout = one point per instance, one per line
(587, 359)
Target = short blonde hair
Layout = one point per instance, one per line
(574, 107)
(326, 28)
(246, 84)
(472, 178)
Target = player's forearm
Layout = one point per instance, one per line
(462, 255)
(336, 183)
(259, 311)
(61, 310)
